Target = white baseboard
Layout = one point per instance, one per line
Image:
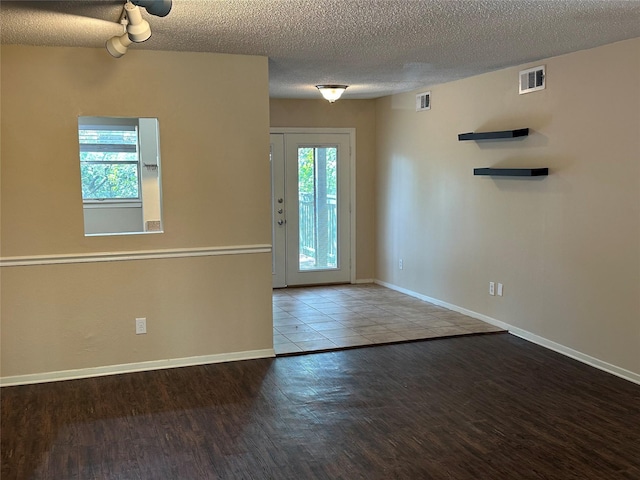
(440, 303)
(576, 355)
(526, 335)
(134, 367)
(363, 280)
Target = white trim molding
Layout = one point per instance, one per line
(134, 367)
(576, 355)
(526, 335)
(132, 255)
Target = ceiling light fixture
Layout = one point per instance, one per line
(137, 29)
(331, 92)
(118, 46)
(158, 8)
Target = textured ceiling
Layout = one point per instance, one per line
(378, 47)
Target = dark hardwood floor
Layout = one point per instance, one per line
(478, 407)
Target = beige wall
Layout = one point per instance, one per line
(214, 124)
(358, 114)
(567, 246)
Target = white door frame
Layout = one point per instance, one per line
(352, 178)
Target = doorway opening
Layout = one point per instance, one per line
(312, 178)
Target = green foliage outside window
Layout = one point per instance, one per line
(109, 180)
(109, 164)
(307, 165)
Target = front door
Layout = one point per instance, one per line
(311, 214)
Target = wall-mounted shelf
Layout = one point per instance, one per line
(512, 172)
(522, 132)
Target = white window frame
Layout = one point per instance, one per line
(89, 123)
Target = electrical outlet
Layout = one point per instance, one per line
(500, 289)
(141, 326)
(492, 288)
(400, 264)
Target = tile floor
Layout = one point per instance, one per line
(331, 317)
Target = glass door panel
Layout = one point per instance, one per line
(317, 196)
(317, 204)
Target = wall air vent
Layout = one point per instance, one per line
(423, 101)
(532, 80)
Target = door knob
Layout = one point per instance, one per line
(280, 200)
(280, 210)
(280, 222)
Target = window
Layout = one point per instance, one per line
(120, 175)
(109, 162)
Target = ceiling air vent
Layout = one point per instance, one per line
(423, 101)
(532, 80)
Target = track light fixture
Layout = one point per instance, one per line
(159, 8)
(118, 46)
(332, 92)
(137, 29)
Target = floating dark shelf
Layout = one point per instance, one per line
(512, 172)
(522, 132)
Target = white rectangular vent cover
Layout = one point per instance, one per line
(532, 79)
(423, 101)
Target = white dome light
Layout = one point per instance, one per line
(331, 92)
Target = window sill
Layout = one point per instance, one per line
(108, 204)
